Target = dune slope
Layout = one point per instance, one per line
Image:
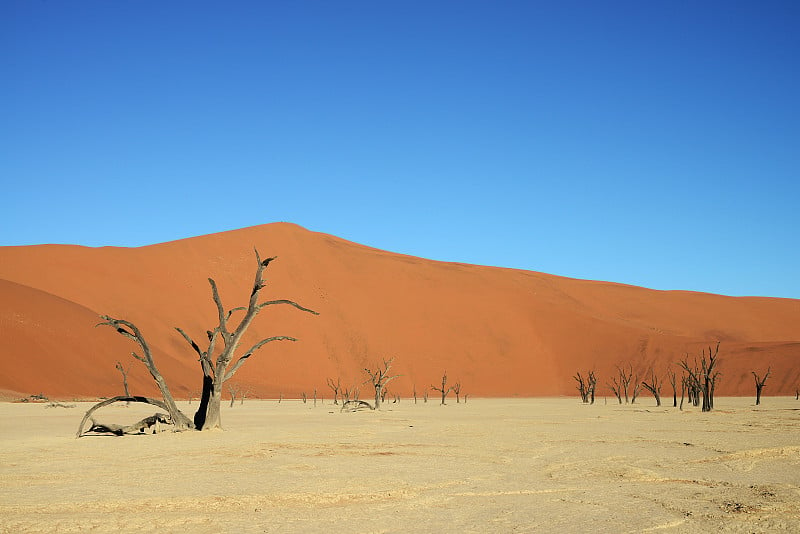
(501, 332)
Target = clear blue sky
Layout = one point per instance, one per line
(654, 143)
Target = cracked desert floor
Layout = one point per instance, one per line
(491, 465)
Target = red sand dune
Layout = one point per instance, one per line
(501, 332)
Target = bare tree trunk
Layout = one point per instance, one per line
(760, 384)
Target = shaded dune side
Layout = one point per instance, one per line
(502, 332)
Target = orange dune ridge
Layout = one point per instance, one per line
(500, 332)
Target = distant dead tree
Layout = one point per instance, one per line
(305, 398)
(591, 385)
(760, 384)
(625, 377)
(457, 391)
(637, 388)
(672, 380)
(124, 372)
(233, 390)
(703, 378)
(586, 387)
(444, 390)
(616, 388)
(415, 393)
(218, 364)
(654, 386)
(581, 387)
(425, 396)
(379, 378)
(335, 387)
(237, 391)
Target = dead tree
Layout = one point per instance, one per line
(124, 372)
(415, 393)
(234, 390)
(457, 391)
(625, 377)
(672, 382)
(703, 378)
(425, 396)
(217, 363)
(581, 387)
(637, 388)
(654, 386)
(335, 387)
(379, 378)
(760, 384)
(444, 390)
(586, 387)
(615, 388)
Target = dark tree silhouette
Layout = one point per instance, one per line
(703, 379)
(760, 384)
(444, 390)
(654, 386)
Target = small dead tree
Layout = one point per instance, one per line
(335, 387)
(672, 381)
(425, 397)
(582, 389)
(415, 393)
(444, 390)
(625, 377)
(379, 378)
(586, 386)
(703, 378)
(760, 384)
(233, 389)
(457, 391)
(637, 388)
(654, 386)
(124, 372)
(615, 388)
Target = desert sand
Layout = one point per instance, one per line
(491, 465)
(501, 332)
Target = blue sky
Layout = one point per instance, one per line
(649, 143)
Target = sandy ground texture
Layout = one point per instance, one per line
(491, 465)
